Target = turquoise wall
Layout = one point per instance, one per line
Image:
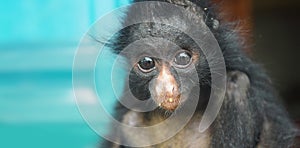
(38, 39)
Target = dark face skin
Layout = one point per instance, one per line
(162, 71)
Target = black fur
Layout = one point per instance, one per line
(261, 121)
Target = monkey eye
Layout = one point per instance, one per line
(146, 64)
(183, 59)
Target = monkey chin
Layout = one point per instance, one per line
(170, 103)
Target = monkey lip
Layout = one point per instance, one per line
(170, 103)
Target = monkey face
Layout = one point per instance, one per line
(162, 71)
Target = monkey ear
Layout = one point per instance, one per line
(238, 84)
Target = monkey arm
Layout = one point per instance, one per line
(250, 117)
(238, 122)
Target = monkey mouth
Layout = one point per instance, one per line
(170, 103)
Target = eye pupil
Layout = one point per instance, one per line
(183, 58)
(146, 64)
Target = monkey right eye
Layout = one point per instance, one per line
(146, 64)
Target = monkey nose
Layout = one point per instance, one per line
(166, 90)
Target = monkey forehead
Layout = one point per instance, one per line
(182, 13)
(154, 47)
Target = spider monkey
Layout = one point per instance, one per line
(251, 114)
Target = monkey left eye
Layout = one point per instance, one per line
(146, 64)
(183, 59)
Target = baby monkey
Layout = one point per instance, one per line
(169, 68)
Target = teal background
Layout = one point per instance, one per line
(38, 40)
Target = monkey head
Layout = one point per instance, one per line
(165, 67)
(165, 62)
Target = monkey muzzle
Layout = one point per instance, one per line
(166, 91)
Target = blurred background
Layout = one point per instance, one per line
(271, 29)
(38, 39)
